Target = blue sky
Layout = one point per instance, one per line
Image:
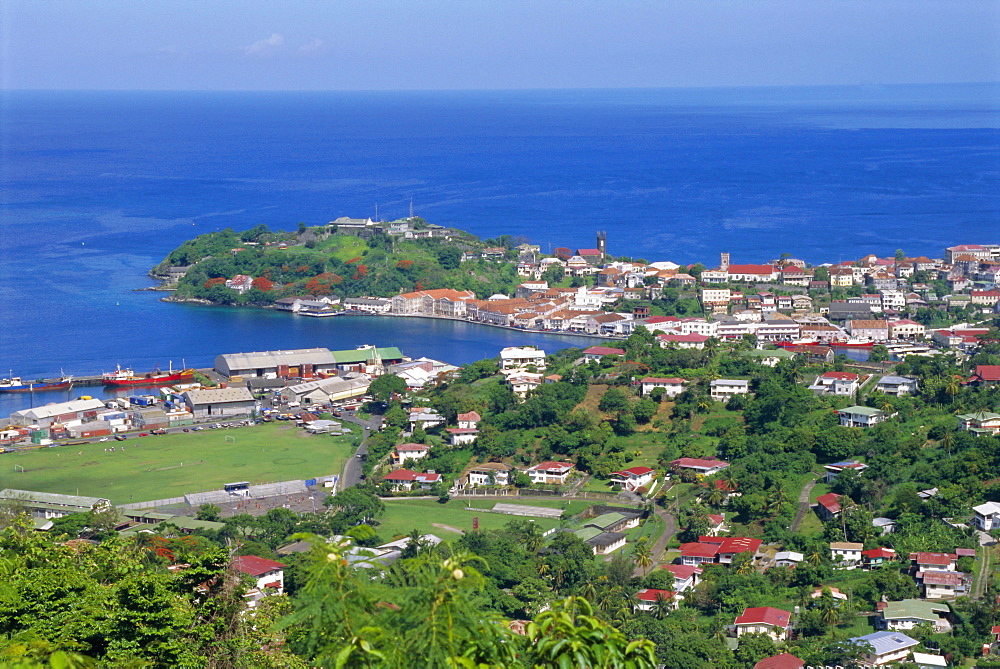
(493, 44)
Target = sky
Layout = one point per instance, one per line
(493, 44)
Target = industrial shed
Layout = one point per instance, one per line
(303, 362)
(326, 390)
(220, 402)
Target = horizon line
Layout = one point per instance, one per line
(871, 86)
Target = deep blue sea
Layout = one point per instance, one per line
(97, 187)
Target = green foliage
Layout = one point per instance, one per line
(385, 386)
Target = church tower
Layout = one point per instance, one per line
(724, 261)
(602, 244)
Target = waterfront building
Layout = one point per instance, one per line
(304, 362)
(220, 402)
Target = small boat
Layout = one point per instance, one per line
(15, 385)
(127, 378)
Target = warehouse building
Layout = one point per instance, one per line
(45, 505)
(67, 413)
(220, 402)
(298, 363)
(333, 389)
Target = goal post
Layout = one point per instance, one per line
(230, 439)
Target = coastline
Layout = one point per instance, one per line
(353, 312)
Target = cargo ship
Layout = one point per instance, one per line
(15, 385)
(126, 378)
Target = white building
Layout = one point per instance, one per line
(549, 472)
(522, 357)
(672, 387)
(986, 517)
(723, 389)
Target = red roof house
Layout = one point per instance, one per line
(648, 598)
(782, 661)
(828, 505)
(764, 620)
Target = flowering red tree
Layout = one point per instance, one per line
(262, 284)
(353, 260)
(562, 253)
(215, 282)
(303, 269)
(404, 264)
(362, 270)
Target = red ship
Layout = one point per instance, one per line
(127, 378)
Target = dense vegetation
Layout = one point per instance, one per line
(319, 261)
(117, 602)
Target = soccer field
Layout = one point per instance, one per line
(155, 467)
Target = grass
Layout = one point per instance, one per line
(404, 515)
(151, 467)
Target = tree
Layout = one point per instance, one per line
(209, 512)
(755, 647)
(879, 353)
(613, 401)
(644, 410)
(569, 635)
(385, 386)
(449, 257)
(643, 555)
(356, 505)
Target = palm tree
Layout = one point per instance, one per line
(663, 606)
(948, 442)
(716, 496)
(746, 567)
(643, 555)
(952, 386)
(543, 568)
(814, 558)
(589, 591)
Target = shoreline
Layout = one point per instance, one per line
(353, 312)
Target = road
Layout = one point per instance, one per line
(804, 505)
(670, 528)
(352, 470)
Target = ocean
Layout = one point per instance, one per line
(97, 187)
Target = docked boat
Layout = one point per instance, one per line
(852, 343)
(15, 385)
(125, 378)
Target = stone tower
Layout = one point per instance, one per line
(602, 244)
(724, 261)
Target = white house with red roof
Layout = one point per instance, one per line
(764, 620)
(489, 473)
(460, 436)
(935, 561)
(704, 466)
(943, 584)
(835, 383)
(717, 549)
(596, 353)
(406, 452)
(404, 479)
(696, 553)
(716, 524)
(633, 478)
(469, 420)
(691, 340)
(269, 576)
(549, 472)
(835, 468)
(648, 599)
(685, 576)
(241, 283)
(672, 386)
(753, 273)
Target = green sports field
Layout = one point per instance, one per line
(170, 465)
(428, 516)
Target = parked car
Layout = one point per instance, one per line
(144, 434)
(103, 439)
(120, 437)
